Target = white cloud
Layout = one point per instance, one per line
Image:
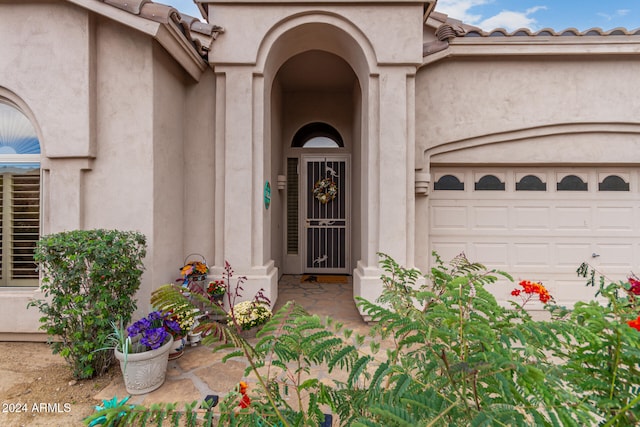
(511, 20)
(459, 9)
(617, 13)
(507, 19)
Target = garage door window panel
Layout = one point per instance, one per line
(489, 183)
(613, 183)
(449, 182)
(572, 183)
(531, 183)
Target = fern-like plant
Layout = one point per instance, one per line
(453, 356)
(462, 359)
(602, 361)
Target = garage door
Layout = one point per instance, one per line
(539, 224)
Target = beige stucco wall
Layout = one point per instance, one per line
(245, 33)
(278, 166)
(126, 137)
(47, 62)
(460, 100)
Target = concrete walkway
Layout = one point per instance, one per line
(200, 372)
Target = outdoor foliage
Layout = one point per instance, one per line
(90, 278)
(603, 362)
(453, 356)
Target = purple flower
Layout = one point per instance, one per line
(152, 330)
(172, 325)
(154, 338)
(155, 315)
(139, 327)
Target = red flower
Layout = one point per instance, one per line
(245, 401)
(635, 286)
(635, 323)
(533, 288)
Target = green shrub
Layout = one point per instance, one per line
(89, 279)
(454, 357)
(602, 362)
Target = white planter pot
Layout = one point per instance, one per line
(145, 371)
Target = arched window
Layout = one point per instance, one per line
(613, 183)
(531, 183)
(317, 135)
(489, 182)
(572, 183)
(448, 182)
(20, 193)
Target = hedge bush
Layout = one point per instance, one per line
(89, 279)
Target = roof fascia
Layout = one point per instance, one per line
(168, 35)
(537, 46)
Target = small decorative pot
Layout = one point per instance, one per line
(177, 349)
(146, 371)
(195, 338)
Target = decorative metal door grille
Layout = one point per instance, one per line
(326, 223)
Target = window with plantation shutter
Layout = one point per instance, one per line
(19, 197)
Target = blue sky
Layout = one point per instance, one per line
(514, 14)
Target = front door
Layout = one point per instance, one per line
(326, 212)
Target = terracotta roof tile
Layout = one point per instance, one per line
(159, 13)
(437, 19)
(131, 6)
(200, 34)
(548, 32)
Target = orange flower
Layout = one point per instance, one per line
(635, 323)
(245, 401)
(201, 268)
(533, 288)
(187, 270)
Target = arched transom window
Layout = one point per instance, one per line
(317, 135)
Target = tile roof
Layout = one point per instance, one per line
(437, 19)
(448, 29)
(548, 32)
(200, 34)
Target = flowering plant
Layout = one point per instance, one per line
(531, 288)
(249, 314)
(635, 323)
(216, 288)
(184, 318)
(634, 286)
(194, 271)
(152, 330)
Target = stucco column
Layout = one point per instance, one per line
(63, 177)
(239, 180)
(388, 177)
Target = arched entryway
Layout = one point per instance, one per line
(315, 62)
(316, 122)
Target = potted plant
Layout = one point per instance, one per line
(216, 290)
(184, 323)
(143, 352)
(193, 270)
(249, 316)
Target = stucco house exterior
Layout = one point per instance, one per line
(306, 136)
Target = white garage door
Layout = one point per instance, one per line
(539, 224)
